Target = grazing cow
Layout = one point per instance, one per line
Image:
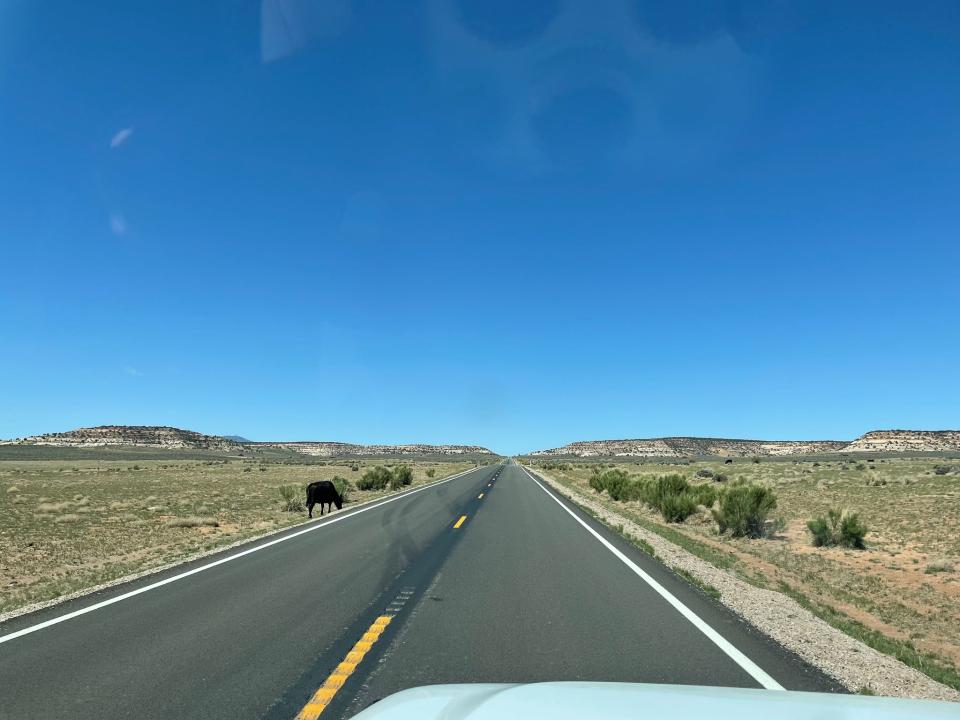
(323, 492)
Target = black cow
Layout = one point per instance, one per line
(323, 492)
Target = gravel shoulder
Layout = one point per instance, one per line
(855, 665)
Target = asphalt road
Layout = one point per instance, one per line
(513, 586)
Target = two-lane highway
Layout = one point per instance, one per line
(486, 577)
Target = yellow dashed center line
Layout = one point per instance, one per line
(335, 680)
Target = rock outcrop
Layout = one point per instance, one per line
(337, 449)
(131, 435)
(907, 441)
(691, 447)
(877, 441)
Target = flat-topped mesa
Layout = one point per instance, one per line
(175, 439)
(907, 441)
(340, 449)
(691, 446)
(151, 436)
(878, 441)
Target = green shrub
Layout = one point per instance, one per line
(656, 491)
(376, 478)
(743, 509)
(635, 489)
(431, 472)
(852, 531)
(839, 527)
(671, 495)
(400, 477)
(704, 495)
(354, 468)
(677, 508)
(617, 484)
(292, 497)
(343, 486)
(820, 530)
(705, 473)
(597, 482)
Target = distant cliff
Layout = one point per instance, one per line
(691, 446)
(132, 436)
(875, 441)
(175, 438)
(338, 449)
(907, 441)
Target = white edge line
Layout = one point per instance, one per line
(748, 665)
(221, 561)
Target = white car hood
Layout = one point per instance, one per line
(610, 701)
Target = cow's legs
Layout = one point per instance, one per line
(310, 509)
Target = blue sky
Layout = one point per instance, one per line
(473, 222)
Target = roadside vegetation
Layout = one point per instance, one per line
(871, 544)
(66, 525)
(379, 478)
(838, 527)
(291, 497)
(345, 488)
(742, 508)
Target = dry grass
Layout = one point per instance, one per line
(938, 566)
(191, 522)
(904, 585)
(69, 525)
